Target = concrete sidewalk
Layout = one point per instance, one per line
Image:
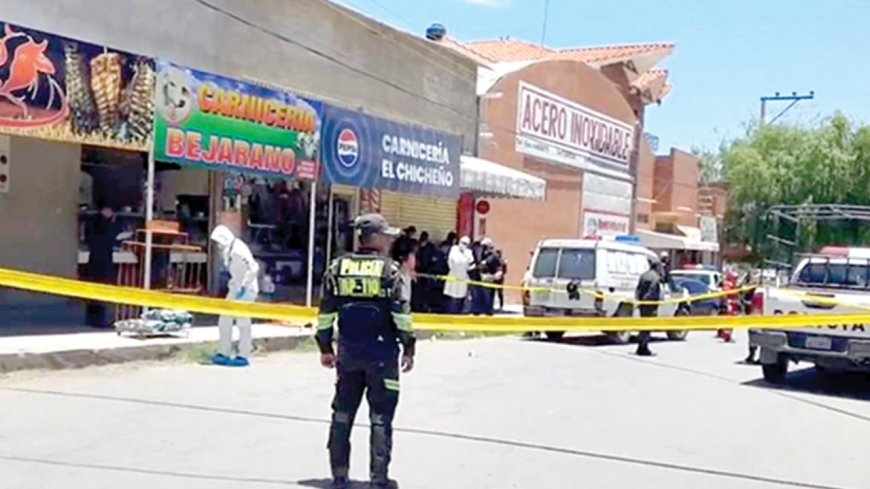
(76, 350)
(82, 348)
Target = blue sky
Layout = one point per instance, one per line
(729, 53)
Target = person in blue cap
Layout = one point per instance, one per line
(366, 299)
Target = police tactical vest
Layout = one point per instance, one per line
(364, 288)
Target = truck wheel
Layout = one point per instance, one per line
(555, 335)
(621, 337)
(775, 372)
(679, 335)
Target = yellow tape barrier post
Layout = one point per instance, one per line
(430, 322)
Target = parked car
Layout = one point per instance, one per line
(706, 307)
(709, 276)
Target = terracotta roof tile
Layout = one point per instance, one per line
(466, 50)
(650, 77)
(615, 53)
(512, 50)
(504, 50)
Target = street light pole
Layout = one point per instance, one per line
(794, 98)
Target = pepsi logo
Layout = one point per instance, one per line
(347, 147)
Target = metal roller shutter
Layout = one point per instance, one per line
(437, 216)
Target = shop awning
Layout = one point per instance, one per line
(492, 179)
(664, 241)
(690, 232)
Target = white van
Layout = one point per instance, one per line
(610, 267)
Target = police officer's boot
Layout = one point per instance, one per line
(340, 483)
(380, 453)
(339, 449)
(390, 484)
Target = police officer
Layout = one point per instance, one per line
(365, 297)
(649, 289)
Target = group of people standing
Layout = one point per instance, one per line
(456, 276)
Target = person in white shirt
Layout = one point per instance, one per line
(460, 260)
(243, 286)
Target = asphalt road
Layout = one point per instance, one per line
(495, 413)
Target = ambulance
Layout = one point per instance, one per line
(561, 269)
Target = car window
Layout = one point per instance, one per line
(577, 264)
(813, 273)
(694, 287)
(704, 278)
(836, 275)
(545, 265)
(856, 276)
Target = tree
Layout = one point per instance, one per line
(825, 163)
(710, 164)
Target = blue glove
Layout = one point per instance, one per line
(241, 293)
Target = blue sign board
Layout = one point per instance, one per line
(369, 152)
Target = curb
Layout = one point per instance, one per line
(72, 359)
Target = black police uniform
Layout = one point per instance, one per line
(649, 288)
(363, 296)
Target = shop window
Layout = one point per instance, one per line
(643, 218)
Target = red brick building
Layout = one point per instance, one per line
(573, 117)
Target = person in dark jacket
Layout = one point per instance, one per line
(365, 297)
(422, 300)
(649, 288)
(499, 292)
(101, 239)
(490, 271)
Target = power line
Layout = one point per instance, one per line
(544, 26)
(336, 60)
(320, 53)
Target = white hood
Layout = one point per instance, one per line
(222, 236)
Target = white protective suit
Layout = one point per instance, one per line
(459, 261)
(243, 286)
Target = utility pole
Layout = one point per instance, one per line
(794, 98)
(544, 26)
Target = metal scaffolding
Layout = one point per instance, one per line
(786, 223)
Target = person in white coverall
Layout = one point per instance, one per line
(460, 260)
(243, 286)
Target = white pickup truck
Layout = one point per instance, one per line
(835, 281)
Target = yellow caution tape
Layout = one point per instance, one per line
(149, 298)
(429, 322)
(594, 293)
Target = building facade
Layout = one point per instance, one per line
(313, 48)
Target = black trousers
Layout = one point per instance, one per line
(379, 381)
(643, 337)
